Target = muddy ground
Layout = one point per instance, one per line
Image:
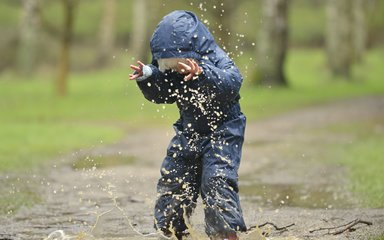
(285, 178)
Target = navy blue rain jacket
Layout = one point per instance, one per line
(204, 103)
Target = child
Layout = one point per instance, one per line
(191, 70)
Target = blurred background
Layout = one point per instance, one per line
(64, 64)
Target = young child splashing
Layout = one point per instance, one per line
(191, 70)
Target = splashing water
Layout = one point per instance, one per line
(97, 230)
(60, 235)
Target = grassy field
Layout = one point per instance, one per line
(104, 106)
(364, 159)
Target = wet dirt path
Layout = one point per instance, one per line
(283, 179)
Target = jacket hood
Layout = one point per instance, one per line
(181, 34)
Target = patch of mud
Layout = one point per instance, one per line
(17, 191)
(284, 179)
(102, 161)
(291, 195)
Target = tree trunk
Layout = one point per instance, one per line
(359, 30)
(64, 61)
(273, 43)
(339, 37)
(107, 33)
(140, 35)
(28, 37)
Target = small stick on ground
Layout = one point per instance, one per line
(342, 228)
(285, 228)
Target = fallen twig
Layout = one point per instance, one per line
(285, 228)
(342, 228)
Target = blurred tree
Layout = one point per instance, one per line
(339, 37)
(28, 36)
(346, 35)
(375, 22)
(66, 39)
(140, 30)
(359, 29)
(273, 43)
(107, 32)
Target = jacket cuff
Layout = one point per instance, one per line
(147, 72)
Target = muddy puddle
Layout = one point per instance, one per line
(99, 205)
(110, 200)
(17, 191)
(293, 195)
(102, 161)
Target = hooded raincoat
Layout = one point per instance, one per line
(204, 155)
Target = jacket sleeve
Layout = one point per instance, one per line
(223, 77)
(157, 88)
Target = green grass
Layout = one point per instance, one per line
(364, 159)
(9, 15)
(361, 156)
(27, 144)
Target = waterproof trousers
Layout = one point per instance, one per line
(205, 165)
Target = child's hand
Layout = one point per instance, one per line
(138, 71)
(192, 70)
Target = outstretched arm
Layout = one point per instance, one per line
(153, 83)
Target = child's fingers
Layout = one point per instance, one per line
(199, 70)
(190, 61)
(192, 65)
(188, 77)
(141, 64)
(138, 69)
(185, 66)
(133, 76)
(135, 67)
(196, 66)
